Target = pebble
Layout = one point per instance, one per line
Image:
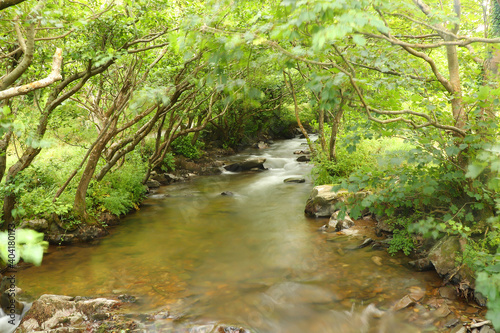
(416, 293)
(442, 311)
(452, 323)
(404, 302)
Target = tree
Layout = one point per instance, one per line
(89, 54)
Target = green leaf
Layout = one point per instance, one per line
(359, 40)
(428, 190)
(474, 170)
(6, 110)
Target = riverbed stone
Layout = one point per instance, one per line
(305, 152)
(403, 303)
(247, 165)
(30, 325)
(323, 201)
(480, 298)
(217, 329)
(288, 293)
(338, 224)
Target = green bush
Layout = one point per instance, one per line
(120, 191)
(182, 145)
(422, 190)
(365, 157)
(40, 182)
(168, 163)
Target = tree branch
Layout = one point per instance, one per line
(55, 75)
(7, 3)
(391, 72)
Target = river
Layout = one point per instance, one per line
(251, 259)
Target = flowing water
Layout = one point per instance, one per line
(252, 259)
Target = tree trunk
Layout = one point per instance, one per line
(321, 128)
(9, 202)
(335, 130)
(297, 117)
(454, 72)
(80, 205)
(493, 60)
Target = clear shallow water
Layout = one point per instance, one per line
(251, 259)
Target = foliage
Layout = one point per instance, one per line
(357, 155)
(22, 243)
(401, 241)
(487, 251)
(488, 283)
(120, 191)
(168, 163)
(183, 146)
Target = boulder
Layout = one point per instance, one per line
(303, 159)
(261, 145)
(55, 313)
(247, 165)
(444, 256)
(36, 224)
(323, 201)
(165, 178)
(382, 225)
(421, 265)
(153, 183)
(294, 180)
(340, 224)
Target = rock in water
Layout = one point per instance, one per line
(249, 164)
(294, 180)
(153, 183)
(50, 312)
(323, 201)
(303, 159)
(421, 265)
(340, 224)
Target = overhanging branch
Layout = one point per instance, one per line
(55, 75)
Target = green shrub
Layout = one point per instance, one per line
(120, 190)
(168, 163)
(182, 145)
(40, 182)
(364, 157)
